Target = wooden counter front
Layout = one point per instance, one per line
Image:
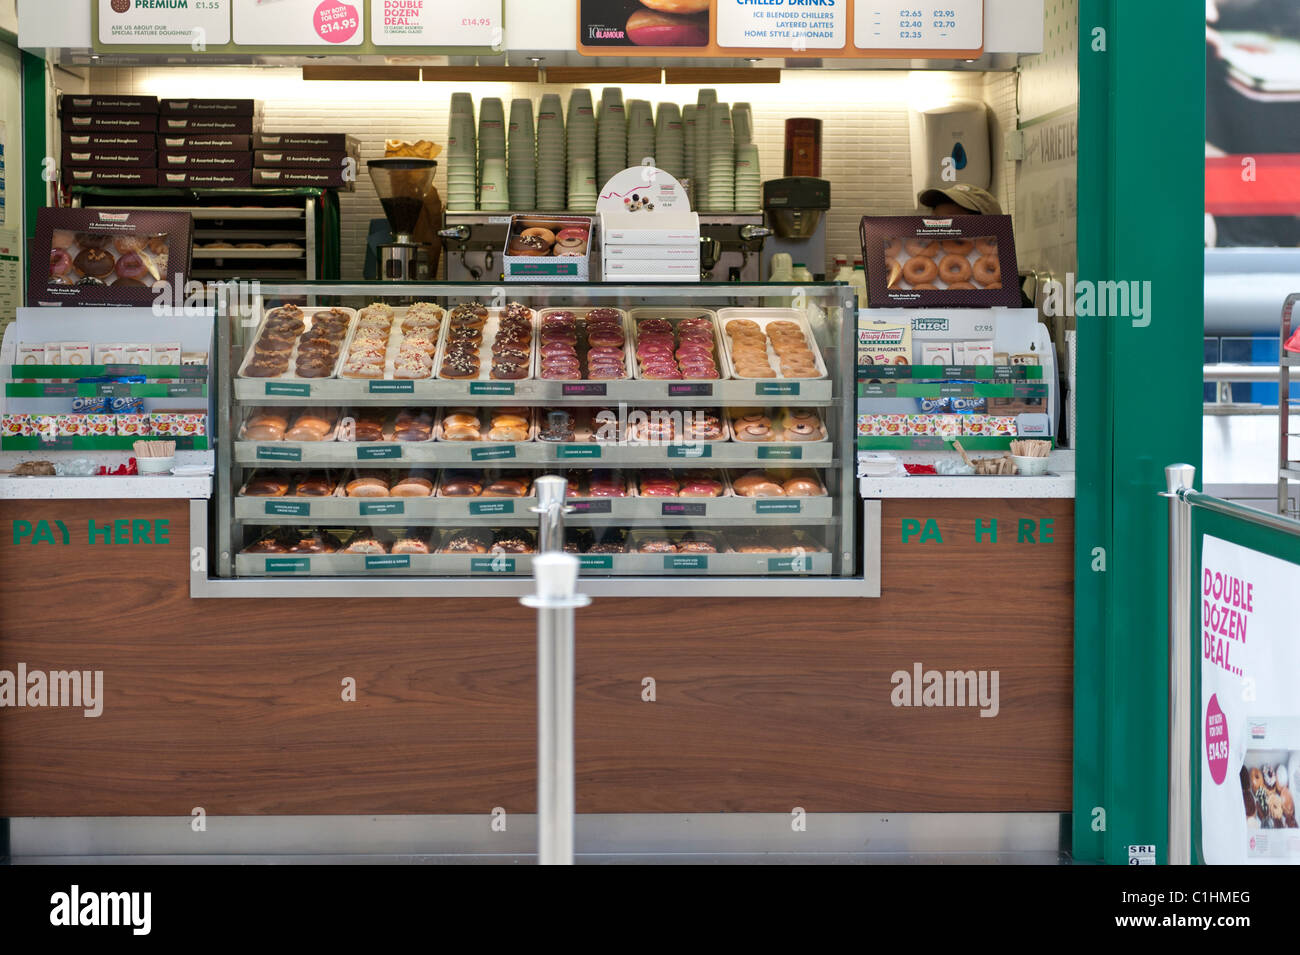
(761, 704)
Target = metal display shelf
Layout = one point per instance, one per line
(834, 520)
(937, 389)
(492, 454)
(339, 391)
(497, 565)
(971, 442)
(634, 511)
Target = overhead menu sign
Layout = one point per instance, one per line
(785, 28)
(188, 23)
(287, 27)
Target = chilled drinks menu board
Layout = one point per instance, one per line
(786, 28)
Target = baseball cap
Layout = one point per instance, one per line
(965, 195)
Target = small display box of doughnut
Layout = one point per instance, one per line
(108, 256)
(958, 261)
(550, 249)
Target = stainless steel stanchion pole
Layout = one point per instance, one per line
(1179, 478)
(556, 574)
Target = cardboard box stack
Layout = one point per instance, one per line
(207, 142)
(109, 140)
(324, 160)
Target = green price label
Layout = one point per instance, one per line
(686, 562)
(388, 562)
(392, 387)
(777, 507)
(272, 453)
(382, 508)
(780, 454)
(491, 387)
(877, 391)
(798, 565)
(596, 561)
(289, 508)
(186, 390)
(382, 452)
(690, 451)
(957, 390)
(491, 507)
(492, 565)
(1029, 390)
(287, 565)
(289, 389)
(566, 451)
(776, 388)
(492, 454)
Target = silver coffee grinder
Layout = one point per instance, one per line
(403, 185)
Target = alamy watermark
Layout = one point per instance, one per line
(960, 688)
(239, 300)
(73, 689)
(1088, 299)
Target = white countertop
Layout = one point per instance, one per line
(926, 486)
(105, 487)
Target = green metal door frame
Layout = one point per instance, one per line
(1141, 219)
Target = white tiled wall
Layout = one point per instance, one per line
(865, 142)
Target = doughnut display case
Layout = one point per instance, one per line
(386, 439)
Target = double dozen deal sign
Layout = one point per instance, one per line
(782, 28)
(1250, 707)
(288, 26)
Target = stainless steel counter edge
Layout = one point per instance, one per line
(106, 487)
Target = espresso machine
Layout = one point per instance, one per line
(403, 186)
(796, 213)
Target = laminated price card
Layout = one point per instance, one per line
(948, 27)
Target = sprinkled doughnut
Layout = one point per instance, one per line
(987, 270)
(920, 269)
(954, 268)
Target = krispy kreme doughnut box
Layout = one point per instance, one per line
(952, 262)
(108, 256)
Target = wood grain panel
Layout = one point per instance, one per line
(234, 705)
(718, 76)
(352, 74)
(604, 75)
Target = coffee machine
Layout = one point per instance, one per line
(796, 213)
(403, 186)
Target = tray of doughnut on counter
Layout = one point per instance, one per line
(311, 425)
(299, 344)
(386, 550)
(487, 344)
(770, 343)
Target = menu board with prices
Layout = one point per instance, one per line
(955, 25)
(792, 25)
(435, 23)
(196, 24)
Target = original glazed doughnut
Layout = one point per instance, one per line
(987, 270)
(960, 285)
(921, 247)
(130, 266)
(893, 248)
(958, 246)
(987, 245)
(920, 269)
(954, 268)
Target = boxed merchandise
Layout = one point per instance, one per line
(660, 270)
(204, 159)
(320, 178)
(936, 353)
(226, 178)
(15, 425)
(108, 103)
(931, 261)
(920, 424)
(127, 122)
(989, 425)
(884, 343)
(107, 256)
(75, 353)
(97, 425)
(109, 140)
(194, 125)
(109, 176)
(300, 157)
(43, 426)
(212, 142)
(178, 424)
(554, 248)
(946, 425)
(131, 424)
(648, 228)
(334, 141)
(67, 425)
(208, 107)
(109, 156)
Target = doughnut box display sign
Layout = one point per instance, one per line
(923, 261)
(108, 256)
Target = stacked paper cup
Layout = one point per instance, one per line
(742, 124)
(462, 155)
(611, 136)
(580, 129)
(669, 140)
(491, 141)
(640, 132)
(690, 131)
(522, 158)
(706, 99)
(749, 187)
(550, 155)
(720, 189)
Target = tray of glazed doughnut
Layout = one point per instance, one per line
(300, 344)
(487, 344)
(583, 344)
(748, 551)
(498, 425)
(677, 344)
(390, 343)
(313, 425)
(769, 343)
(792, 425)
(374, 426)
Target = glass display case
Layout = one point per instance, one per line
(384, 433)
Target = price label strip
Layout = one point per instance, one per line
(891, 25)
